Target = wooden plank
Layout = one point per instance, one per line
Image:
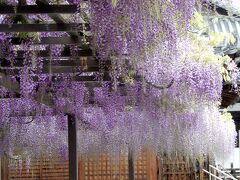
(57, 18)
(38, 9)
(106, 77)
(18, 63)
(54, 70)
(46, 63)
(65, 53)
(86, 79)
(50, 40)
(60, 27)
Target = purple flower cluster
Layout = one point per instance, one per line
(158, 98)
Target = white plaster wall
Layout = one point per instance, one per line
(232, 158)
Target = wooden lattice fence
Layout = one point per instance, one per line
(104, 167)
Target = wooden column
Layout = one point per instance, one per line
(0, 167)
(130, 166)
(72, 147)
(4, 168)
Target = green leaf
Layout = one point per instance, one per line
(114, 3)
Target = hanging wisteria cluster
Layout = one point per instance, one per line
(164, 94)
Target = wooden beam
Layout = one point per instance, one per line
(84, 78)
(19, 62)
(54, 70)
(65, 53)
(60, 27)
(90, 78)
(38, 9)
(57, 18)
(50, 40)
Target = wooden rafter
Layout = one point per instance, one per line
(65, 53)
(50, 40)
(74, 30)
(46, 63)
(60, 27)
(45, 54)
(57, 18)
(38, 9)
(54, 70)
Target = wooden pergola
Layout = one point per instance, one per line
(85, 57)
(72, 65)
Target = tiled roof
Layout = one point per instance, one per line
(232, 6)
(226, 24)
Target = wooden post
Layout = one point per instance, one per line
(0, 167)
(151, 164)
(72, 147)
(4, 168)
(130, 166)
(239, 145)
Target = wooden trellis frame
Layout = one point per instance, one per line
(36, 9)
(74, 35)
(67, 66)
